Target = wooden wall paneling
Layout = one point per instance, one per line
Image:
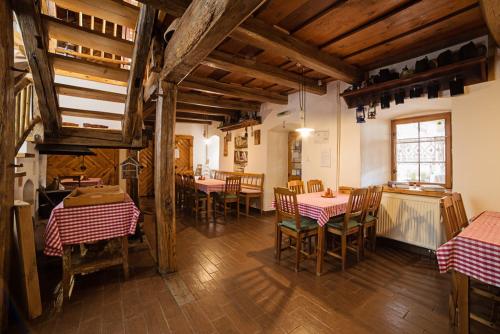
(104, 165)
(165, 177)
(146, 177)
(184, 144)
(7, 145)
(27, 256)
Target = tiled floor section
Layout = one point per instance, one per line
(228, 282)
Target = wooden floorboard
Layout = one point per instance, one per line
(229, 282)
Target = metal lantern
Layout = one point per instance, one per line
(372, 111)
(360, 114)
(385, 101)
(130, 168)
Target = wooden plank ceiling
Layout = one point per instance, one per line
(258, 61)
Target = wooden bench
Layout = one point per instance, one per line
(252, 186)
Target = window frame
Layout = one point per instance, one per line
(448, 155)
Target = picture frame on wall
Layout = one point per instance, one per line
(240, 142)
(256, 137)
(226, 146)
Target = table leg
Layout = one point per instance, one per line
(463, 303)
(125, 257)
(209, 205)
(67, 273)
(319, 251)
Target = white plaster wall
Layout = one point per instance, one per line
(475, 118)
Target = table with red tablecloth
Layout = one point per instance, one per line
(210, 185)
(75, 225)
(474, 252)
(314, 206)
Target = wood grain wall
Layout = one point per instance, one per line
(104, 165)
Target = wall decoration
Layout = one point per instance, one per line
(326, 158)
(256, 137)
(321, 137)
(226, 146)
(241, 157)
(241, 142)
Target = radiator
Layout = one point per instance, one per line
(411, 219)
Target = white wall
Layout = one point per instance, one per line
(271, 156)
(475, 118)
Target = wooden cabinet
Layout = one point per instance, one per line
(294, 156)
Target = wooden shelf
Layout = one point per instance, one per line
(244, 124)
(471, 70)
(25, 155)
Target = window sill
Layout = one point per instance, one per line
(417, 192)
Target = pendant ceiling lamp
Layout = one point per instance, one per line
(304, 130)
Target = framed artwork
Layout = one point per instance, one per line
(256, 137)
(240, 142)
(226, 147)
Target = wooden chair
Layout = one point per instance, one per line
(458, 203)
(231, 194)
(297, 186)
(290, 223)
(347, 226)
(314, 186)
(370, 216)
(345, 190)
(197, 199)
(252, 187)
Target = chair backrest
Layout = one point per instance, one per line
(450, 219)
(189, 182)
(374, 199)
(345, 190)
(233, 185)
(355, 205)
(458, 203)
(286, 205)
(297, 186)
(314, 186)
(199, 169)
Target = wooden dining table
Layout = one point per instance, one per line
(321, 209)
(209, 186)
(474, 253)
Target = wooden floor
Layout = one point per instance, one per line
(228, 282)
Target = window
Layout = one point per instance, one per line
(421, 149)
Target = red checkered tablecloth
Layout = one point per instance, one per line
(314, 206)
(75, 225)
(210, 185)
(475, 252)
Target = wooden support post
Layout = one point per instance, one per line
(164, 176)
(26, 242)
(133, 184)
(7, 120)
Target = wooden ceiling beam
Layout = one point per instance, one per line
(272, 74)
(202, 27)
(202, 110)
(491, 15)
(187, 115)
(183, 120)
(132, 121)
(67, 32)
(173, 7)
(260, 34)
(93, 138)
(35, 43)
(91, 114)
(88, 70)
(115, 11)
(215, 87)
(213, 101)
(89, 93)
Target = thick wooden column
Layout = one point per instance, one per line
(164, 176)
(7, 147)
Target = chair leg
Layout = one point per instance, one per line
(360, 248)
(374, 237)
(298, 245)
(261, 204)
(278, 245)
(225, 209)
(343, 246)
(238, 209)
(247, 205)
(196, 209)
